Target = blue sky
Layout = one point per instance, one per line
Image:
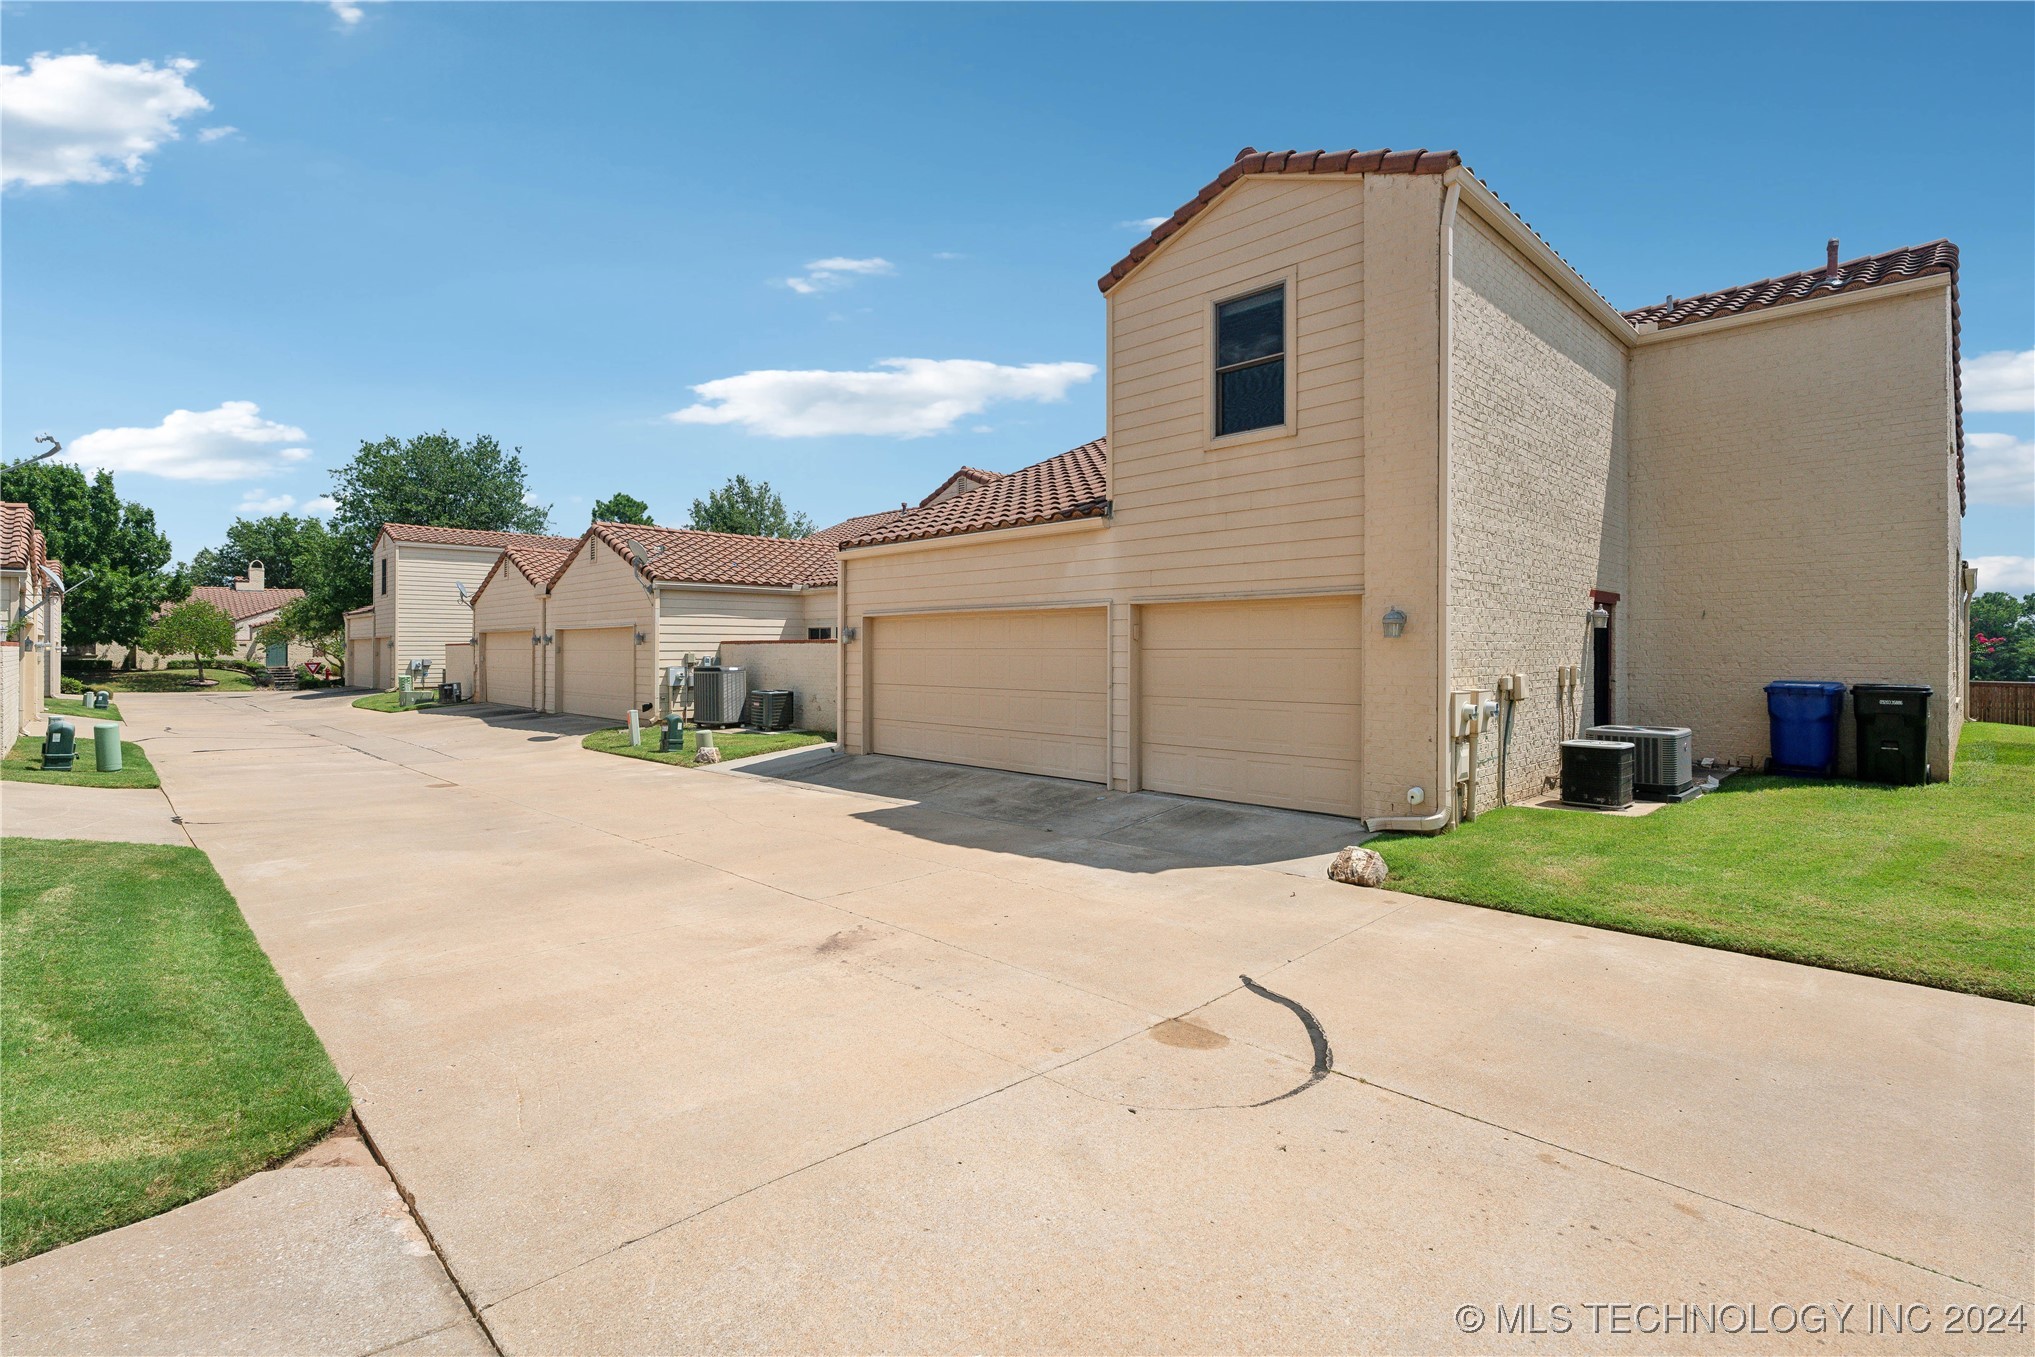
(310, 224)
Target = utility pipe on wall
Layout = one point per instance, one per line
(1445, 746)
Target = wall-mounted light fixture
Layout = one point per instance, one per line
(639, 638)
(851, 633)
(1600, 617)
(1395, 622)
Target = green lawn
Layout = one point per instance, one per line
(1932, 884)
(74, 707)
(148, 1053)
(24, 764)
(732, 744)
(392, 701)
(172, 681)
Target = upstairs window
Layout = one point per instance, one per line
(819, 633)
(385, 574)
(1250, 362)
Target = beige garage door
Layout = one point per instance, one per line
(1251, 701)
(360, 664)
(1026, 691)
(597, 672)
(505, 667)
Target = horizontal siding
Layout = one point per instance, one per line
(429, 614)
(598, 590)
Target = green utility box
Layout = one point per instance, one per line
(59, 746)
(102, 699)
(106, 747)
(674, 733)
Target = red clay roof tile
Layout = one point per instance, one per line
(1071, 486)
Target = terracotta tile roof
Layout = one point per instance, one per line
(540, 565)
(1938, 256)
(686, 555)
(1250, 161)
(1873, 270)
(240, 604)
(472, 537)
(20, 540)
(970, 473)
(1073, 485)
(854, 527)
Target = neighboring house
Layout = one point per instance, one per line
(250, 603)
(510, 624)
(1374, 450)
(31, 601)
(423, 583)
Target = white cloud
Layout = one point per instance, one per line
(905, 398)
(2009, 574)
(349, 11)
(1143, 224)
(1999, 469)
(825, 275)
(2002, 381)
(319, 506)
(262, 502)
(216, 133)
(948, 254)
(231, 443)
(78, 120)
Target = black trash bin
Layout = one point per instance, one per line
(1893, 732)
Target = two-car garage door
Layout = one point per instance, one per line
(1022, 690)
(1252, 701)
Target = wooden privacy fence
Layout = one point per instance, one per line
(2011, 704)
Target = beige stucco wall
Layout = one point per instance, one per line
(1538, 407)
(428, 613)
(600, 589)
(1269, 514)
(10, 694)
(1795, 515)
(805, 667)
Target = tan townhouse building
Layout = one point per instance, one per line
(423, 583)
(1392, 501)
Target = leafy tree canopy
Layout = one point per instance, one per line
(433, 479)
(622, 508)
(195, 628)
(754, 509)
(2003, 637)
(277, 541)
(114, 557)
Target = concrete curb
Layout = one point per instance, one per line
(784, 760)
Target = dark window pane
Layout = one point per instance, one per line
(1251, 398)
(1250, 327)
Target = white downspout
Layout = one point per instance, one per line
(1445, 773)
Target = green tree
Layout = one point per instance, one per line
(756, 510)
(622, 508)
(115, 560)
(2003, 637)
(276, 541)
(432, 479)
(195, 628)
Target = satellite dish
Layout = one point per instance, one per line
(640, 555)
(462, 593)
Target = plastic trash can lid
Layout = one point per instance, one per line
(1904, 689)
(1805, 686)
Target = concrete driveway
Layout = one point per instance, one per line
(843, 1061)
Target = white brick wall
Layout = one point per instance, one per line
(1537, 474)
(1795, 515)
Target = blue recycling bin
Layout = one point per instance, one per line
(1802, 717)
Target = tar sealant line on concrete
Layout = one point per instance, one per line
(424, 1228)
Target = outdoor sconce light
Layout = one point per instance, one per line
(639, 638)
(1600, 617)
(1395, 622)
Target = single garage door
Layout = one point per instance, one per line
(1026, 691)
(505, 667)
(1251, 701)
(597, 672)
(360, 664)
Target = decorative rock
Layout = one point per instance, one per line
(713, 755)
(1358, 867)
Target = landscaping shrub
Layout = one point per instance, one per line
(71, 685)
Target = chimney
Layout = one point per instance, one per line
(1830, 262)
(257, 575)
